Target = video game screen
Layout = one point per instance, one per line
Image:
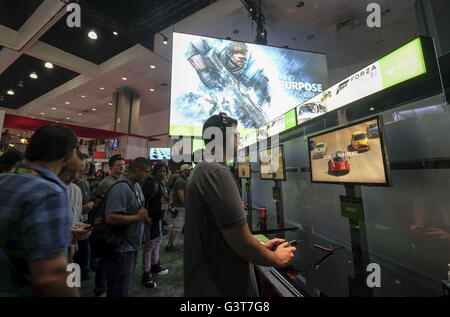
(252, 83)
(272, 164)
(244, 168)
(353, 154)
(159, 154)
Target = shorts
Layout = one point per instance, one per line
(178, 221)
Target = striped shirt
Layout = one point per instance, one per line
(35, 222)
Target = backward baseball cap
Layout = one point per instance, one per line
(221, 121)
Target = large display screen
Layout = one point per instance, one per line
(272, 164)
(158, 154)
(401, 65)
(353, 154)
(253, 83)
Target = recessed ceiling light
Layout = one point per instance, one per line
(67, 103)
(152, 66)
(115, 33)
(53, 108)
(68, 118)
(42, 114)
(80, 114)
(151, 89)
(10, 92)
(33, 75)
(93, 109)
(109, 103)
(124, 78)
(83, 96)
(372, 109)
(92, 35)
(48, 65)
(101, 88)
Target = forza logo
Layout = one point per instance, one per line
(371, 70)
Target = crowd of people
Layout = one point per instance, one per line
(57, 209)
(61, 210)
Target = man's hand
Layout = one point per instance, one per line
(88, 207)
(80, 233)
(142, 214)
(148, 221)
(272, 243)
(285, 254)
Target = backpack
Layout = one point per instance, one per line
(104, 236)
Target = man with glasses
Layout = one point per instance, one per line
(124, 208)
(68, 175)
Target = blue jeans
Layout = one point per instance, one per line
(120, 273)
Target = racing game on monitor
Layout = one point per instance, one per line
(254, 84)
(272, 164)
(353, 154)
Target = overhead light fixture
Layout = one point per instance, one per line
(109, 103)
(80, 114)
(92, 35)
(48, 65)
(33, 75)
(152, 66)
(93, 109)
(115, 33)
(83, 96)
(124, 78)
(372, 109)
(67, 103)
(151, 89)
(42, 114)
(10, 92)
(101, 88)
(53, 108)
(165, 39)
(67, 118)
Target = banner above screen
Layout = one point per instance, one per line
(253, 83)
(401, 65)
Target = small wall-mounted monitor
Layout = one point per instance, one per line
(352, 154)
(244, 169)
(272, 164)
(159, 154)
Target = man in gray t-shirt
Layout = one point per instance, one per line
(124, 208)
(219, 247)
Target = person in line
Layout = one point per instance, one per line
(80, 231)
(83, 256)
(125, 208)
(36, 218)
(219, 247)
(155, 194)
(178, 203)
(117, 168)
(9, 160)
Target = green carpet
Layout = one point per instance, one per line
(170, 285)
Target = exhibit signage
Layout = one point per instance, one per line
(401, 65)
(254, 84)
(351, 207)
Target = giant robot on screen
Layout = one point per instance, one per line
(252, 83)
